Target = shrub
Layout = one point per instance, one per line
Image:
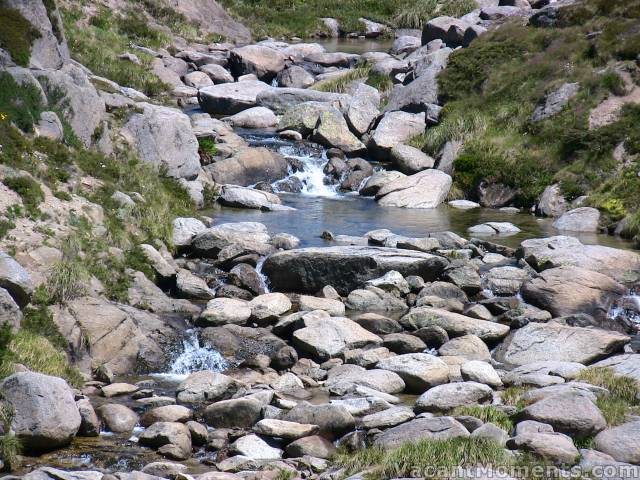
(28, 189)
(17, 35)
(613, 82)
(20, 103)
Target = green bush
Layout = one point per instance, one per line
(20, 104)
(17, 35)
(29, 190)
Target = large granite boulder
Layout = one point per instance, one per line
(621, 442)
(231, 98)
(248, 166)
(308, 270)
(569, 290)
(552, 341)
(332, 131)
(15, 279)
(436, 428)
(425, 189)
(395, 128)
(163, 136)
(45, 415)
(583, 219)
(280, 99)
(419, 371)
(262, 61)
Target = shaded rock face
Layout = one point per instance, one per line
(249, 166)
(308, 270)
(45, 413)
(163, 136)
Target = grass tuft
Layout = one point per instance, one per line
(342, 83)
(10, 449)
(17, 35)
(29, 191)
(486, 414)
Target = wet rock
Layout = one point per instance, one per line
(569, 290)
(552, 341)
(426, 189)
(175, 436)
(256, 117)
(307, 270)
(205, 386)
(583, 219)
(436, 428)
(231, 98)
(315, 446)
(494, 228)
(332, 131)
(235, 413)
(168, 413)
(89, 421)
(222, 311)
(248, 166)
(117, 418)
(452, 395)
(419, 371)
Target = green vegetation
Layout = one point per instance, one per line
(16, 35)
(513, 396)
(623, 392)
(424, 456)
(341, 84)
(486, 414)
(19, 104)
(10, 448)
(303, 16)
(492, 88)
(29, 190)
(206, 149)
(98, 45)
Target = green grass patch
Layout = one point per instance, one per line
(19, 104)
(513, 396)
(29, 191)
(98, 45)
(17, 35)
(10, 449)
(342, 83)
(623, 392)
(424, 456)
(486, 414)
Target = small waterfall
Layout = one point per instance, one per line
(312, 172)
(263, 278)
(626, 312)
(195, 358)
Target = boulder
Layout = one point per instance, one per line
(396, 127)
(10, 314)
(231, 98)
(551, 446)
(449, 396)
(173, 434)
(15, 279)
(325, 338)
(436, 428)
(332, 131)
(627, 364)
(248, 166)
(426, 189)
(583, 219)
(197, 80)
(262, 61)
(448, 29)
(378, 324)
(256, 117)
(244, 197)
(569, 290)
(117, 418)
(333, 420)
(621, 442)
(505, 281)
(376, 181)
(480, 372)
(405, 44)
(419, 371)
(313, 446)
(362, 110)
(235, 413)
(551, 252)
(303, 117)
(253, 447)
(308, 270)
(269, 306)
(189, 285)
(163, 136)
(281, 99)
(335, 308)
(387, 418)
(217, 73)
(552, 203)
(401, 343)
(410, 160)
(167, 413)
(553, 341)
(468, 347)
(184, 229)
(374, 299)
(333, 59)
(45, 415)
(555, 101)
(221, 311)
(572, 414)
(206, 386)
(454, 323)
(283, 429)
(343, 378)
(295, 77)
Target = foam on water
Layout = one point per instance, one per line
(312, 173)
(195, 358)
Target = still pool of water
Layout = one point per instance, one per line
(354, 215)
